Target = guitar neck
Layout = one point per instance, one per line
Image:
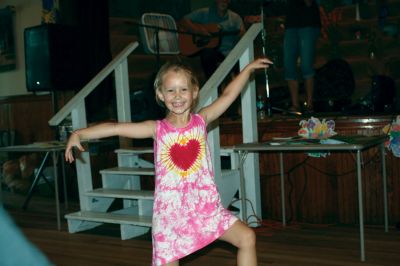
(213, 29)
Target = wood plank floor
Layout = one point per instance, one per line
(294, 245)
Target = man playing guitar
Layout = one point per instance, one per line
(212, 33)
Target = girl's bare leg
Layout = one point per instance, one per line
(174, 263)
(244, 238)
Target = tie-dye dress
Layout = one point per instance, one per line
(187, 212)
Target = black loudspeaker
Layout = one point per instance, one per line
(54, 58)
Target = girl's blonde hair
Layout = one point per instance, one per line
(175, 67)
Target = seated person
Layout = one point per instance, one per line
(205, 21)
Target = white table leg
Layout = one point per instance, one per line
(55, 159)
(64, 181)
(282, 189)
(384, 183)
(360, 205)
(242, 158)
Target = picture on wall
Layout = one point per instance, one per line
(7, 43)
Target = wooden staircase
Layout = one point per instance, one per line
(119, 183)
(134, 213)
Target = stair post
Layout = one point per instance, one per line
(250, 134)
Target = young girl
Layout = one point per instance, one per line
(187, 210)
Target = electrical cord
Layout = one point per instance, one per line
(304, 163)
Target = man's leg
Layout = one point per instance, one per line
(294, 94)
(290, 56)
(308, 41)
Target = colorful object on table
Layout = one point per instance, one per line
(393, 130)
(313, 128)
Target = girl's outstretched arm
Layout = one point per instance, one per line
(231, 92)
(140, 130)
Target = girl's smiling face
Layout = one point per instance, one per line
(177, 93)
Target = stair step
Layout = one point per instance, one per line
(141, 150)
(121, 193)
(128, 171)
(109, 217)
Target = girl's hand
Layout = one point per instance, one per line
(232, 91)
(259, 63)
(73, 141)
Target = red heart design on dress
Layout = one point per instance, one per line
(183, 156)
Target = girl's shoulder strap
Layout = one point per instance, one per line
(198, 119)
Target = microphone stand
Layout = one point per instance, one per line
(264, 48)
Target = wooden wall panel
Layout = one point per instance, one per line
(28, 116)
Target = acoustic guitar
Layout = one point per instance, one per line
(191, 43)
